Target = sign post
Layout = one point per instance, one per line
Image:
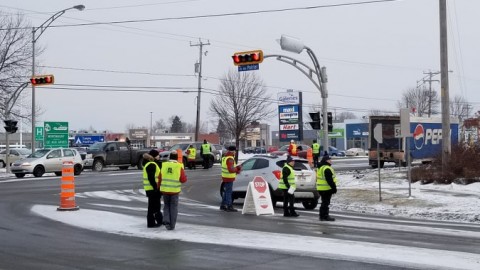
(378, 135)
(405, 123)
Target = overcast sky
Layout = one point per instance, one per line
(372, 53)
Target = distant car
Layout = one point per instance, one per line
(214, 155)
(332, 151)
(82, 150)
(46, 161)
(259, 150)
(270, 168)
(164, 148)
(271, 149)
(355, 152)
(248, 150)
(15, 154)
(221, 150)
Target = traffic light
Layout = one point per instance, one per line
(247, 58)
(330, 121)
(10, 126)
(42, 80)
(315, 116)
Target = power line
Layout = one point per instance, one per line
(219, 15)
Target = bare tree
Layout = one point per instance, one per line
(422, 101)
(241, 100)
(345, 115)
(459, 108)
(15, 62)
(159, 125)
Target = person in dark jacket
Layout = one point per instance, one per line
(151, 171)
(326, 186)
(287, 184)
(205, 151)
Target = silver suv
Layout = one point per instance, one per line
(214, 155)
(270, 168)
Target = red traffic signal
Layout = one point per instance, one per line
(247, 58)
(42, 80)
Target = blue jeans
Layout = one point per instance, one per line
(170, 210)
(227, 194)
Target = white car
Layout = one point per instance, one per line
(355, 152)
(47, 161)
(15, 154)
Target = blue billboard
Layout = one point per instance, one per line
(356, 130)
(426, 140)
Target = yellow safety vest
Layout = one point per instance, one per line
(193, 153)
(322, 183)
(290, 178)
(316, 148)
(206, 148)
(146, 184)
(225, 172)
(171, 171)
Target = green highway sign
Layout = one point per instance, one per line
(56, 134)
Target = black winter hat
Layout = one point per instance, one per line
(153, 153)
(289, 158)
(325, 158)
(232, 148)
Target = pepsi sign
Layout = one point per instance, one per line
(422, 136)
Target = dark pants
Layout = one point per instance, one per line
(191, 164)
(170, 210)
(206, 161)
(324, 206)
(227, 194)
(288, 202)
(154, 216)
(315, 160)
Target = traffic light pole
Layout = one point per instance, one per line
(320, 82)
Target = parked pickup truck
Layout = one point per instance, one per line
(113, 154)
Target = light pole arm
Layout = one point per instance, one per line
(48, 22)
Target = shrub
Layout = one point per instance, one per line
(463, 168)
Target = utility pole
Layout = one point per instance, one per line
(430, 75)
(446, 142)
(200, 45)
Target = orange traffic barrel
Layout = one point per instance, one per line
(67, 188)
(310, 156)
(179, 155)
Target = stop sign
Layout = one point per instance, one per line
(260, 184)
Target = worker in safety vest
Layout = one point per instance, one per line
(287, 184)
(191, 155)
(316, 153)
(171, 177)
(326, 186)
(230, 169)
(151, 171)
(292, 149)
(205, 153)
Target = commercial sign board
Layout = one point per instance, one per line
(138, 134)
(290, 116)
(56, 134)
(288, 98)
(88, 139)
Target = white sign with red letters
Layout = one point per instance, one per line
(258, 200)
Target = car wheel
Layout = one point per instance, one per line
(97, 165)
(77, 169)
(356, 155)
(38, 171)
(2, 164)
(310, 204)
(19, 175)
(58, 173)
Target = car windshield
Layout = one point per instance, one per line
(39, 153)
(283, 148)
(23, 151)
(179, 146)
(97, 146)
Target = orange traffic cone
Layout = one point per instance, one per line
(310, 156)
(67, 193)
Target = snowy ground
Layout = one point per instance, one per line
(359, 192)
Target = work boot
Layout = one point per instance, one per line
(286, 214)
(327, 218)
(231, 209)
(294, 214)
(223, 207)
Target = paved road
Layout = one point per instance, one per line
(33, 242)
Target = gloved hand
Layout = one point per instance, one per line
(334, 190)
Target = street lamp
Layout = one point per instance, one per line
(295, 45)
(35, 37)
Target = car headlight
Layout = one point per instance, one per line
(25, 164)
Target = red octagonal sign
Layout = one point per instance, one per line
(260, 184)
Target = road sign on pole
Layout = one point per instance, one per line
(377, 133)
(56, 134)
(39, 134)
